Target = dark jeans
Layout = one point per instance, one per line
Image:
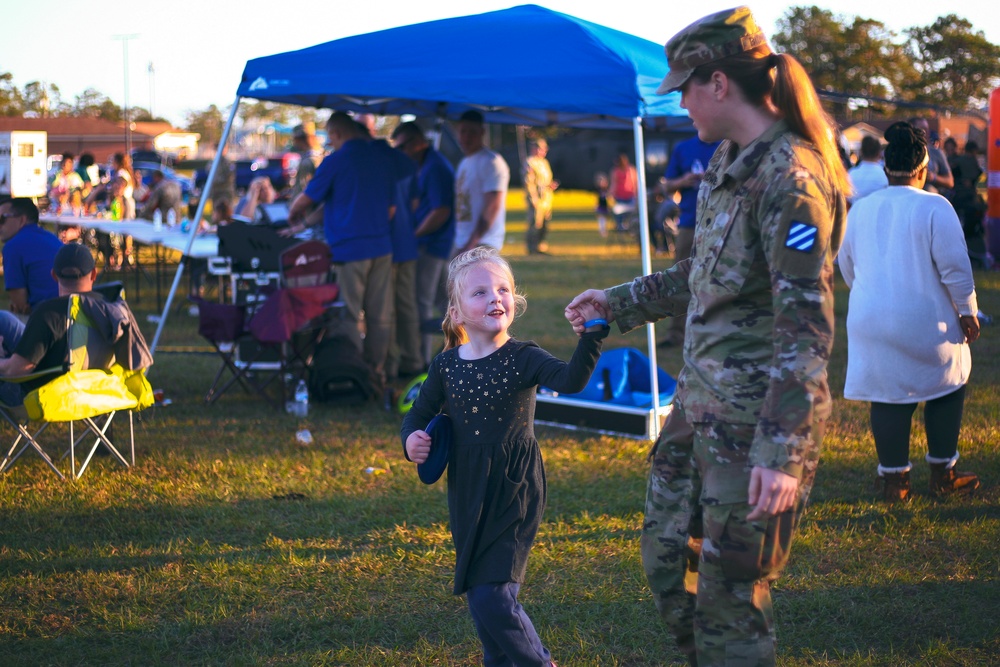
(11, 330)
(509, 639)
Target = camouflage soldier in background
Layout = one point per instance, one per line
(304, 143)
(734, 464)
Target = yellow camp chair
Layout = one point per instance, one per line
(90, 388)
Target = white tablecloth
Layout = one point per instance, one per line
(205, 245)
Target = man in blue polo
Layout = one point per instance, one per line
(435, 231)
(28, 251)
(355, 186)
(688, 162)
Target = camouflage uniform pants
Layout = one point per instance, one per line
(709, 568)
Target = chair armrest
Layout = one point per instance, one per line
(36, 375)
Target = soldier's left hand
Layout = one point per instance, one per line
(772, 492)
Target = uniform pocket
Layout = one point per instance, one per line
(749, 550)
(729, 254)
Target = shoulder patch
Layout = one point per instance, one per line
(801, 236)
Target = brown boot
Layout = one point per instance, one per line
(894, 486)
(947, 482)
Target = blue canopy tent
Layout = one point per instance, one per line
(525, 65)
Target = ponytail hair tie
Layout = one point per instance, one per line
(773, 60)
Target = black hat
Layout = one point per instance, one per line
(439, 429)
(73, 261)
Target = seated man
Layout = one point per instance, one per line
(41, 343)
(28, 251)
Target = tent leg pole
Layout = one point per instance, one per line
(194, 224)
(647, 268)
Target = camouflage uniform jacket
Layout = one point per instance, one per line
(758, 290)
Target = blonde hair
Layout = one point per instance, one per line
(458, 272)
(779, 78)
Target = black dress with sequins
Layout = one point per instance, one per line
(496, 482)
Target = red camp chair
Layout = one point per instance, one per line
(286, 324)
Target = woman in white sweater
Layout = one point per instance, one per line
(911, 317)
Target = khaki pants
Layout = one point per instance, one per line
(366, 287)
(405, 355)
(432, 298)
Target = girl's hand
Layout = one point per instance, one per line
(418, 446)
(591, 301)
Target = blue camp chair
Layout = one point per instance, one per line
(621, 377)
(90, 387)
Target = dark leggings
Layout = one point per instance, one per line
(891, 428)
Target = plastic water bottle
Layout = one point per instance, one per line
(171, 218)
(158, 220)
(301, 399)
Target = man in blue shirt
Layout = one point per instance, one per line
(28, 251)
(435, 220)
(354, 184)
(688, 162)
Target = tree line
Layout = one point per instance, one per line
(946, 64)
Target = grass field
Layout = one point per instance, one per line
(232, 544)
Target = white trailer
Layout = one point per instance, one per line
(23, 164)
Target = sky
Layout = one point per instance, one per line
(197, 51)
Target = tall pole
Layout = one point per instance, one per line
(647, 268)
(195, 223)
(128, 121)
(152, 88)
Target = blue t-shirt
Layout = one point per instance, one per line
(404, 242)
(27, 263)
(684, 157)
(436, 183)
(355, 184)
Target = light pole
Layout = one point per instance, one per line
(128, 122)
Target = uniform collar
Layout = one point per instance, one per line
(740, 165)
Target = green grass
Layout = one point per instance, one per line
(195, 558)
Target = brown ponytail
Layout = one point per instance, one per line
(778, 79)
(796, 100)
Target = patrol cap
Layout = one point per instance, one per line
(708, 39)
(73, 261)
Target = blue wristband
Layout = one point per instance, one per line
(600, 321)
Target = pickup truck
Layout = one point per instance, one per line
(281, 169)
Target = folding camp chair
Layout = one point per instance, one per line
(225, 326)
(91, 387)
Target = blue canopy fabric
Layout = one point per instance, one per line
(525, 65)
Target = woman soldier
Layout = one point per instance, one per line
(737, 456)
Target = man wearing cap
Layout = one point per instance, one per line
(480, 189)
(28, 251)
(41, 343)
(538, 188)
(733, 467)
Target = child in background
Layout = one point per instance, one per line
(601, 181)
(485, 381)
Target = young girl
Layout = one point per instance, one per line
(485, 380)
